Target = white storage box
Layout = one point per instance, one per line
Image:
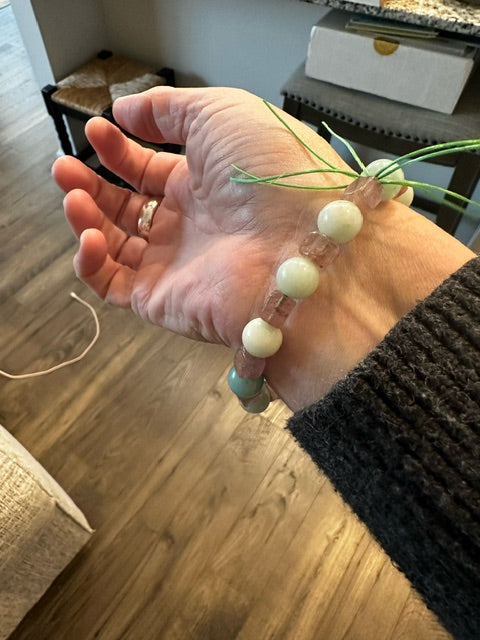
(425, 73)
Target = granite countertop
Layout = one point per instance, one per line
(448, 15)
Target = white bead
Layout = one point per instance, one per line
(406, 197)
(389, 190)
(298, 277)
(260, 339)
(340, 220)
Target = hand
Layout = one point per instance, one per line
(215, 244)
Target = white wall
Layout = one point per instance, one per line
(33, 41)
(73, 32)
(252, 44)
(59, 36)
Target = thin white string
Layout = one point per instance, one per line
(44, 372)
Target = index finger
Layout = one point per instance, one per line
(143, 168)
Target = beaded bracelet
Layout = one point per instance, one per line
(338, 223)
(298, 277)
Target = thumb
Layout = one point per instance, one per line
(135, 113)
(161, 114)
(170, 115)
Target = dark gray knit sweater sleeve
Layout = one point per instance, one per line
(400, 440)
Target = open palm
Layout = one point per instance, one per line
(214, 243)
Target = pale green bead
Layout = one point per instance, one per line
(407, 197)
(340, 220)
(260, 339)
(298, 277)
(389, 190)
(244, 387)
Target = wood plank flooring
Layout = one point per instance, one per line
(210, 524)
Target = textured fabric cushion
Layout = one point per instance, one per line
(387, 116)
(41, 530)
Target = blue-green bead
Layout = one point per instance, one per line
(244, 387)
(258, 403)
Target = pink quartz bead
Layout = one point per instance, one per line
(365, 192)
(277, 308)
(248, 366)
(319, 248)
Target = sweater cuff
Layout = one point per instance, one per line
(399, 438)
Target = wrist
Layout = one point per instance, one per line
(397, 260)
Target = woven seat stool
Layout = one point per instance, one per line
(90, 91)
(395, 128)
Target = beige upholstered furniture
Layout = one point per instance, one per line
(41, 530)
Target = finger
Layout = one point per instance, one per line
(121, 206)
(71, 174)
(136, 114)
(143, 168)
(94, 265)
(83, 213)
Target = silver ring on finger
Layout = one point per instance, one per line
(145, 221)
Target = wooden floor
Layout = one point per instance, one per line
(210, 524)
